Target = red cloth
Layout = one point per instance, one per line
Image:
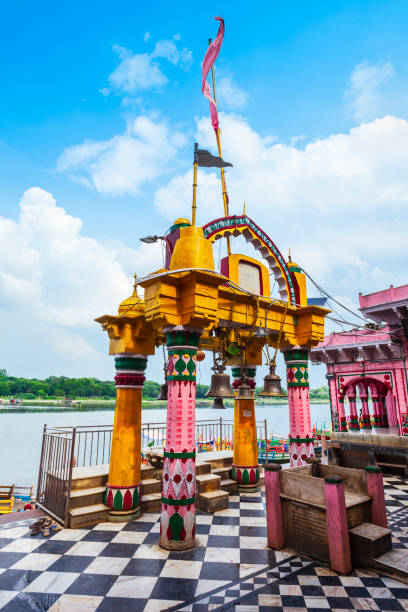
(209, 59)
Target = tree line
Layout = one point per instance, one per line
(76, 388)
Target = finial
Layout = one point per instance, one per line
(289, 257)
(135, 285)
(244, 208)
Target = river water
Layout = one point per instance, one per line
(21, 432)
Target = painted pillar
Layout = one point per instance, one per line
(177, 521)
(123, 489)
(365, 410)
(375, 398)
(342, 415)
(375, 488)
(300, 438)
(336, 423)
(274, 514)
(245, 450)
(337, 527)
(391, 410)
(383, 411)
(354, 423)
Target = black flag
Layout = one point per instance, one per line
(207, 160)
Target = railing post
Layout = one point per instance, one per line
(69, 482)
(220, 432)
(41, 464)
(266, 442)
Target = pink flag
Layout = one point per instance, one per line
(209, 59)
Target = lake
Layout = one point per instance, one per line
(21, 433)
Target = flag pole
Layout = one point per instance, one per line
(194, 206)
(223, 183)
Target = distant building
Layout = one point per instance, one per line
(370, 363)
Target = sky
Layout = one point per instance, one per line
(100, 107)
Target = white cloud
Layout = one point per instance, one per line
(54, 281)
(229, 94)
(121, 164)
(339, 202)
(143, 71)
(364, 94)
(147, 36)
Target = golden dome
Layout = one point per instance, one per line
(130, 304)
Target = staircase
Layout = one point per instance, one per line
(371, 546)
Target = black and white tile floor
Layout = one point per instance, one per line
(120, 567)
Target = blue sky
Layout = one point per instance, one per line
(100, 107)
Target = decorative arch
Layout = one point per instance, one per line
(236, 225)
(383, 383)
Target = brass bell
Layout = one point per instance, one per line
(218, 404)
(272, 384)
(163, 392)
(244, 392)
(220, 386)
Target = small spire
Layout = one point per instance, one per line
(135, 285)
(289, 257)
(244, 207)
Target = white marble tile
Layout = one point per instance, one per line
(227, 512)
(23, 545)
(351, 581)
(70, 535)
(317, 602)
(251, 506)
(252, 521)
(245, 569)
(112, 566)
(88, 549)
(222, 555)
(205, 586)
(36, 561)
(15, 532)
(6, 596)
(129, 537)
(108, 526)
(146, 551)
(204, 519)
(52, 582)
(158, 605)
(201, 540)
(138, 587)
(175, 568)
(253, 542)
(290, 589)
(75, 603)
(225, 530)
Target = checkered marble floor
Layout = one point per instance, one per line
(120, 567)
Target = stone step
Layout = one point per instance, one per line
(151, 502)
(151, 485)
(89, 477)
(213, 501)
(224, 472)
(88, 515)
(229, 485)
(368, 541)
(202, 467)
(86, 497)
(393, 564)
(148, 472)
(207, 482)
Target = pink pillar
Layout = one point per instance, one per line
(342, 415)
(375, 489)
(177, 521)
(383, 411)
(301, 438)
(353, 420)
(365, 411)
(274, 515)
(391, 410)
(337, 527)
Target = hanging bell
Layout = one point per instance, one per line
(244, 392)
(272, 384)
(218, 404)
(220, 386)
(163, 392)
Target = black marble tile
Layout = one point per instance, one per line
(55, 547)
(357, 591)
(256, 499)
(71, 563)
(122, 550)
(17, 580)
(257, 532)
(98, 535)
(145, 526)
(7, 559)
(234, 505)
(28, 602)
(225, 520)
(220, 571)
(399, 592)
(330, 581)
(144, 567)
(312, 590)
(293, 601)
(251, 555)
(223, 541)
(202, 529)
(340, 603)
(4, 542)
(388, 604)
(251, 513)
(192, 554)
(151, 538)
(182, 589)
(91, 584)
(122, 604)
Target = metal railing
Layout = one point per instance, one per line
(66, 448)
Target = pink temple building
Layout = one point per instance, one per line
(366, 368)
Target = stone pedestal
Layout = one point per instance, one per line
(300, 439)
(337, 527)
(123, 490)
